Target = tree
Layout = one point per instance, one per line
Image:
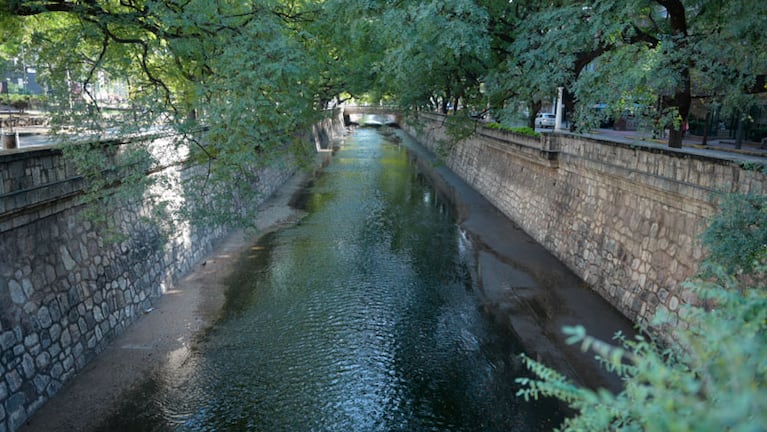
(651, 59)
(737, 237)
(250, 72)
(425, 54)
(438, 55)
(233, 79)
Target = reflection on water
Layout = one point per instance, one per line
(360, 318)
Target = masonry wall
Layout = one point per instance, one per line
(625, 218)
(65, 290)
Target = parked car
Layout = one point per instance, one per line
(545, 120)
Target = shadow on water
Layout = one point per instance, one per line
(366, 316)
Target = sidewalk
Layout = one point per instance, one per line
(716, 146)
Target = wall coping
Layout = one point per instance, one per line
(705, 155)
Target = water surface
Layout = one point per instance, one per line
(363, 317)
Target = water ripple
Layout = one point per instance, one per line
(358, 319)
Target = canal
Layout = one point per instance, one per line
(367, 315)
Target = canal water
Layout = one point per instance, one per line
(362, 317)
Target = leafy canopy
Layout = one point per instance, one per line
(232, 79)
(236, 79)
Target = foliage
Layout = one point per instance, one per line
(652, 59)
(460, 126)
(757, 134)
(234, 81)
(522, 130)
(22, 101)
(251, 73)
(737, 237)
(436, 58)
(426, 54)
(714, 376)
(113, 173)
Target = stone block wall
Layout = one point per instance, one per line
(626, 218)
(65, 290)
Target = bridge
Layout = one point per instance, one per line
(371, 115)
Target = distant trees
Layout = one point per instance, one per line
(653, 59)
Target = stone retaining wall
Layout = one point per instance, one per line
(626, 218)
(65, 291)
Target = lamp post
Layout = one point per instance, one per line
(558, 119)
(8, 137)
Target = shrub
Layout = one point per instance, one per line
(737, 237)
(522, 130)
(757, 133)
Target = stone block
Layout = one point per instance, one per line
(57, 370)
(42, 361)
(17, 292)
(66, 258)
(28, 366)
(16, 411)
(14, 380)
(44, 317)
(41, 383)
(8, 339)
(66, 337)
(31, 340)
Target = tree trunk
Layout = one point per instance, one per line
(675, 137)
(568, 101)
(739, 133)
(706, 127)
(682, 99)
(533, 107)
(445, 103)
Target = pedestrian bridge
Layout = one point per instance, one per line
(371, 115)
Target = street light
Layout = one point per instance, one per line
(558, 119)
